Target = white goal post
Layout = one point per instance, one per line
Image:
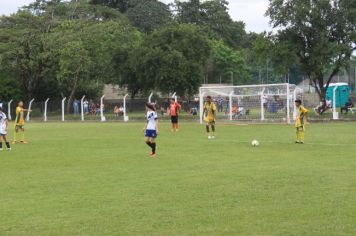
(266, 102)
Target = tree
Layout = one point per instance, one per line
(276, 59)
(121, 5)
(170, 59)
(95, 46)
(229, 62)
(9, 88)
(23, 53)
(214, 16)
(74, 65)
(322, 34)
(149, 15)
(35, 44)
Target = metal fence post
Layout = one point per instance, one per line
(29, 110)
(63, 101)
(45, 110)
(82, 107)
(102, 117)
(9, 109)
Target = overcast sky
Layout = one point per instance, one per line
(249, 11)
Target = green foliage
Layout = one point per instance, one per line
(52, 48)
(170, 59)
(213, 15)
(9, 88)
(320, 33)
(23, 54)
(229, 62)
(149, 15)
(268, 50)
(121, 5)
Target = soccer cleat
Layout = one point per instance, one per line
(14, 142)
(153, 155)
(209, 137)
(213, 137)
(8, 149)
(23, 142)
(297, 142)
(1, 149)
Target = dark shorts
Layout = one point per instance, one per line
(210, 122)
(174, 119)
(19, 127)
(150, 133)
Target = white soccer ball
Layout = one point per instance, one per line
(255, 143)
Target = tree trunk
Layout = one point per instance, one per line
(317, 79)
(71, 96)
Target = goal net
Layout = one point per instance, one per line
(267, 102)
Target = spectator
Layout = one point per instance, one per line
(92, 107)
(86, 106)
(121, 110)
(220, 102)
(321, 106)
(194, 111)
(117, 110)
(273, 106)
(324, 106)
(76, 106)
(227, 104)
(265, 101)
(347, 106)
(97, 109)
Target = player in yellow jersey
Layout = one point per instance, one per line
(300, 121)
(209, 111)
(20, 123)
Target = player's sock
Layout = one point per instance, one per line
(22, 137)
(213, 128)
(7, 145)
(0, 145)
(207, 129)
(302, 136)
(149, 144)
(153, 148)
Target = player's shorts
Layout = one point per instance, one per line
(19, 126)
(209, 121)
(2, 132)
(150, 133)
(174, 119)
(300, 128)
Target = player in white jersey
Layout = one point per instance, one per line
(151, 128)
(3, 130)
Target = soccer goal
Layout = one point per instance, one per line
(267, 102)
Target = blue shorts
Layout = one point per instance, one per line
(151, 133)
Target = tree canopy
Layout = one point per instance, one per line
(320, 33)
(60, 48)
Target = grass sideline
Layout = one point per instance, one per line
(97, 179)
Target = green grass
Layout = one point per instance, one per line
(97, 179)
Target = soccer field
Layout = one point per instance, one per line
(97, 179)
